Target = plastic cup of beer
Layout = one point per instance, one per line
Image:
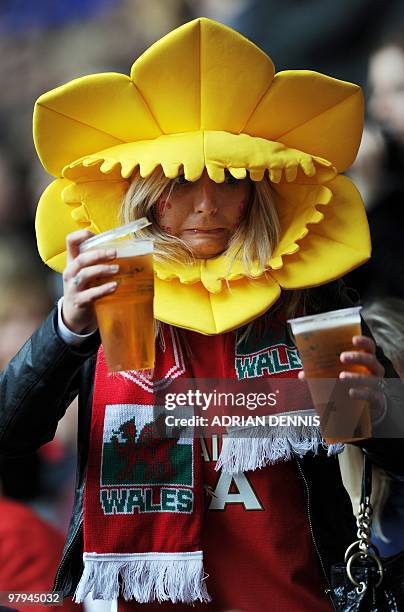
(125, 317)
(320, 340)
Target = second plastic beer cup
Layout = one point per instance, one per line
(320, 340)
(125, 317)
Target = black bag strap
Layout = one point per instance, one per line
(363, 549)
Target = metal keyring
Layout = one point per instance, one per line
(361, 588)
(357, 543)
(350, 547)
(376, 559)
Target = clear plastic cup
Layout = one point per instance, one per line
(125, 317)
(320, 340)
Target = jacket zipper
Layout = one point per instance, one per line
(328, 591)
(65, 557)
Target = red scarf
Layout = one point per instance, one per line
(143, 505)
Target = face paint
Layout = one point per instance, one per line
(240, 214)
(241, 209)
(203, 214)
(160, 208)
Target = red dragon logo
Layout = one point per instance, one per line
(150, 449)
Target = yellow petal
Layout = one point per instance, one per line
(87, 115)
(171, 171)
(211, 273)
(257, 174)
(299, 207)
(127, 167)
(187, 274)
(231, 65)
(192, 307)
(215, 172)
(311, 112)
(107, 166)
(238, 173)
(308, 167)
(291, 173)
(80, 214)
(275, 174)
(52, 223)
(190, 81)
(66, 207)
(168, 75)
(91, 161)
(332, 248)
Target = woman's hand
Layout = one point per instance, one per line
(81, 271)
(364, 385)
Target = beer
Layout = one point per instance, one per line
(320, 341)
(125, 317)
(320, 349)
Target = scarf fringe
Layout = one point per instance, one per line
(255, 447)
(144, 580)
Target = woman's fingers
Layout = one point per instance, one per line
(372, 394)
(355, 358)
(85, 298)
(83, 270)
(85, 260)
(92, 273)
(365, 385)
(360, 380)
(73, 242)
(365, 343)
(363, 354)
(366, 356)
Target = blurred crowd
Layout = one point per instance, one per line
(46, 43)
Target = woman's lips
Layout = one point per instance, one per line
(216, 230)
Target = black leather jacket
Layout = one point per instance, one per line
(46, 375)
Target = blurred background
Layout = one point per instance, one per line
(48, 42)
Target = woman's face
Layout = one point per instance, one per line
(204, 214)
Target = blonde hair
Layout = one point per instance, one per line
(254, 240)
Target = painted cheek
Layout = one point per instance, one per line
(161, 207)
(241, 208)
(240, 213)
(167, 229)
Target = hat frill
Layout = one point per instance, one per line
(191, 152)
(102, 179)
(301, 209)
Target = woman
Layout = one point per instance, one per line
(238, 211)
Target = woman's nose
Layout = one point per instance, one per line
(205, 198)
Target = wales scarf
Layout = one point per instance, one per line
(144, 494)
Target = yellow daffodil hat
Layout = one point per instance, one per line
(206, 97)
